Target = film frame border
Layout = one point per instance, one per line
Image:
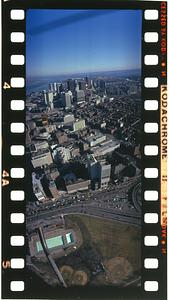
(10, 138)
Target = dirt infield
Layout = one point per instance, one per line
(118, 269)
(80, 278)
(74, 277)
(67, 273)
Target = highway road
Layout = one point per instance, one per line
(98, 196)
(99, 204)
(86, 209)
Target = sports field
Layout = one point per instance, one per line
(111, 239)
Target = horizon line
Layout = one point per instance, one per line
(83, 72)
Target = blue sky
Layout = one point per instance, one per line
(72, 41)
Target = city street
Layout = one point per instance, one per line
(105, 204)
(131, 218)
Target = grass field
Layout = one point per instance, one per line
(111, 238)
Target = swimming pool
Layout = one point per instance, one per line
(51, 243)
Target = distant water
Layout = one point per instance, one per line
(39, 84)
(36, 85)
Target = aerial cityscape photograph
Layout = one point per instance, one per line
(83, 153)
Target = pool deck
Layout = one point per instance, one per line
(60, 241)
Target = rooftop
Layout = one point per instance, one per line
(40, 152)
(105, 148)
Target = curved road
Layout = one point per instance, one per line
(136, 197)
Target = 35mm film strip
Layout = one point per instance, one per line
(16, 282)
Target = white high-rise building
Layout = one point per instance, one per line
(105, 171)
(77, 86)
(93, 169)
(50, 100)
(58, 87)
(99, 172)
(38, 189)
(45, 97)
(67, 99)
(55, 86)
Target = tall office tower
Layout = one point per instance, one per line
(86, 79)
(55, 86)
(104, 173)
(50, 100)
(80, 96)
(82, 85)
(93, 169)
(51, 86)
(92, 85)
(66, 99)
(77, 86)
(71, 85)
(88, 82)
(37, 188)
(95, 84)
(102, 85)
(99, 172)
(45, 97)
(71, 95)
(59, 88)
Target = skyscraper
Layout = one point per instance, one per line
(82, 85)
(102, 85)
(59, 88)
(71, 85)
(93, 169)
(45, 97)
(104, 173)
(88, 82)
(55, 86)
(66, 99)
(99, 172)
(50, 100)
(37, 188)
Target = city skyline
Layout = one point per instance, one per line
(88, 36)
(84, 182)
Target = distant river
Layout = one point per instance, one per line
(35, 85)
(39, 84)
